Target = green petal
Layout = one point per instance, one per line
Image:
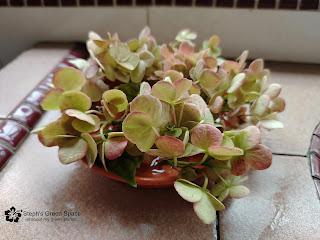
(79, 63)
(145, 89)
(205, 210)
(215, 202)
(164, 91)
(147, 104)
(116, 98)
(138, 73)
(84, 126)
(75, 100)
(271, 124)
(73, 153)
(236, 82)
(93, 91)
(273, 90)
(80, 115)
(51, 100)
(48, 135)
(138, 128)
(238, 191)
(121, 53)
(224, 153)
(68, 79)
(92, 148)
(188, 191)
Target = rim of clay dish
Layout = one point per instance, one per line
(162, 176)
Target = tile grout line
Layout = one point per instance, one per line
(218, 225)
(289, 154)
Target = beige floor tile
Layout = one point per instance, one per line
(301, 88)
(283, 204)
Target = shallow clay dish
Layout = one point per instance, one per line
(162, 176)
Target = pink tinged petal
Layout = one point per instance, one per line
(210, 62)
(182, 87)
(174, 75)
(114, 147)
(229, 66)
(243, 57)
(170, 145)
(186, 48)
(273, 90)
(217, 105)
(199, 102)
(209, 79)
(257, 66)
(259, 157)
(206, 135)
(239, 167)
(166, 52)
(158, 153)
(261, 105)
(249, 137)
(278, 105)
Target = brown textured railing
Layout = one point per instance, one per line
(250, 4)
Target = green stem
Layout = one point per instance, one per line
(156, 131)
(94, 111)
(173, 114)
(205, 184)
(101, 131)
(204, 158)
(221, 178)
(175, 161)
(180, 115)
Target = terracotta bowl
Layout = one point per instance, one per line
(162, 176)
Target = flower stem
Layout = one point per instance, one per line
(174, 114)
(101, 131)
(204, 158)
(175, 161)
(156, 131)
(205, 184)
(221, 178)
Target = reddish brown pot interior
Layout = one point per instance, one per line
(147, 176)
